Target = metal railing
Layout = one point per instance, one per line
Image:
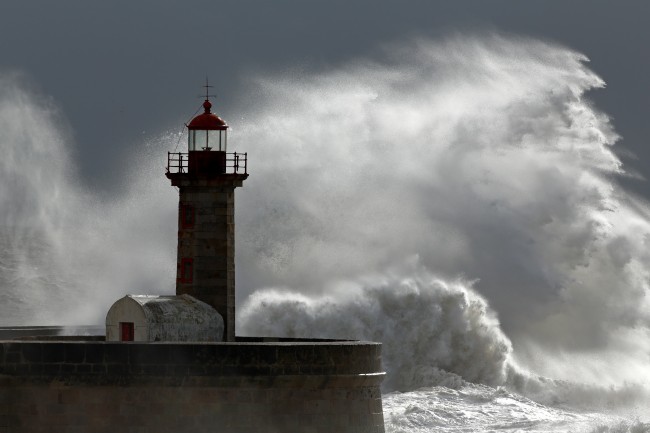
(236, 163)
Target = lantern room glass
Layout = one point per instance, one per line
(213, 139)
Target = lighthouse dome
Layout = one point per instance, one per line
(207, 120)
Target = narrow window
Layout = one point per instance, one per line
(187, 270)
(126, 331)
(187, 216)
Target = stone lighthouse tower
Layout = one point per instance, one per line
(206, 177)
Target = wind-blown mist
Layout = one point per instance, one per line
(480, 157)
(454, 200)
(66, 255)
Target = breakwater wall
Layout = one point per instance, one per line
(73, 384)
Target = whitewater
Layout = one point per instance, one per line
(455, 199)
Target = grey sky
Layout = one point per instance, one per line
(124, 71)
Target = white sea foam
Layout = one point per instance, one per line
(429, 328)
(475, 408)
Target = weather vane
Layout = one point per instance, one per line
(207, 90)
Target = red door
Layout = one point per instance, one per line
(126, 331)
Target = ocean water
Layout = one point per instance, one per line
(477, 408)
(455, 199)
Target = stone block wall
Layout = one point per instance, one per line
(210, 243)
(251, 386)
(207, 239)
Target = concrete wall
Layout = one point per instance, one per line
(264, 386)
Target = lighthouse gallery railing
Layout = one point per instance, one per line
(236, 163)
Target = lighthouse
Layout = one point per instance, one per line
(180, 351)
(206, 177)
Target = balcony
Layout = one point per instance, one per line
(207, 163)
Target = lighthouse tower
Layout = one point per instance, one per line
(206, 177)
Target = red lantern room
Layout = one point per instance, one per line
(207, 131)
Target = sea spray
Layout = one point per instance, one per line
(434, 333)
(485, 159)
(481, 156)
(34, 167)
(428, 328)
(65, 253)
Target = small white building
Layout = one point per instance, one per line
(163, 318)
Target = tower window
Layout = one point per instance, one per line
(126, 331)
(187, 216)
(186, 274)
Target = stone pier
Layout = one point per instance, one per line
(252, 385)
